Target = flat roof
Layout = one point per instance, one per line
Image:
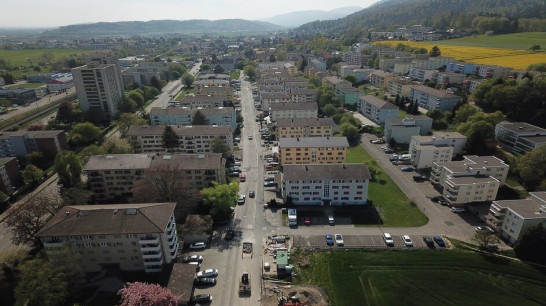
(294, 106)
(327, 172)
(527, 208)
(313, 142)
(304, 122)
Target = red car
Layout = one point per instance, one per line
(307, 220)
(269, 166)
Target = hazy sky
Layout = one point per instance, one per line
(53, 13)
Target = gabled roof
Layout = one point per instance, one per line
(377, 103)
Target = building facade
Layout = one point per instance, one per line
(184, 116)
(293, 110)
(375, 109)
(519, 137)
(430, 98)
(10, 175)
(305, 127)
(438, 148)
(20, 143)
(313, 150)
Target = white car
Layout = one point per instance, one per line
(198, 245)
(388, 239)
(457, 209)
(241, 199)
(208, 273)
(339, 239)
(407, 241)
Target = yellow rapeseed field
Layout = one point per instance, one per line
(517, 59)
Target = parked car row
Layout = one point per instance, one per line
(337, 239)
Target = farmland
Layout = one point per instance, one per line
(19, 57)
(422, 277)
(518, 41)
(517, 59)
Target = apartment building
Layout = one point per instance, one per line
(316, 62)
(20, 143)
(438, 148)
(112, 176)
(191, 139)
(430, 98)
(519, 137)
(306, 95)
(98, 86)
(334, 184)
(422, 74)
(10, 175)
(350, 95)
(475, 179)
(402, 129)
(269, 99)
(351, 58)
(461, 67)
(201, 101)
(401, 87)
(184, 115)
(131, 237)
(336, 82)
(139, 75)
(512, 218)
(313, 150)
(210, 83)
(493, 71)
(225, 92)
(293, 110)
(446, 78)
(381, 79)
(376, 109)
(305, 127)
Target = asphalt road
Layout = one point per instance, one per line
(43, 101)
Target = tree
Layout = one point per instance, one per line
(351, 78)
(127, 105)
(531, 246)
(170, 139)
(147, 294)
(89, 151)
(348, 130)
(188, 79)
(464, 113)
(26, 219)
(329, 110)
(218, 145)
(219, 199)
(251, 72)
(199, 119)
(77, 195)
(535, 47)
(95, 115)
(85, 133)
(219, 69)
(136, 95)
(40, 284)
(69, 168)
(116, 145)
(155, 82)
(36, 127)
(64, 114)
(126, 120)
(435, 52)
(36, 158)
(484, 239)
(480, 134)
(32, 174)
(531, 168)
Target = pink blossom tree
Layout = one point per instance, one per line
(141, 294)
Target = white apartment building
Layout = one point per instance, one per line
(132, 237)
(328, 184)
(475, 179)
(375, 109)
(438, 148)
(293, 110)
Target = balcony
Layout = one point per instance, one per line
(150, 255)
(153, 261)
(152, 269)
(150, 248)
(53, 243)
(148, 240)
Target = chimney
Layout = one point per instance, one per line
(67, 213)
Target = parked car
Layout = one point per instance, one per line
(207, 273)
(251, 194)
(307, 220)
(457, 209)
(193, 258)
(329, 239)
(428, 241)
(388, 151)
(241, 199)
(206, 281)
(269, 179)
(331, 220)
(407, 241)
(388, 239)
(486, 229)
(229, 234)
(439, 241)
(406, 169)
(201, 298)
(198, 245)
(269, 184)
(419, 178)
(242, 178)
(339, 239)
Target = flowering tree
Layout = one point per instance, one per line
(137, 294)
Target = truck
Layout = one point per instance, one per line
(244, 284)
(292, 217)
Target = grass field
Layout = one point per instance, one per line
(518, 41)
(27, 85)
(19, 57)
(423, 277)
(395, 208)
(517, 59)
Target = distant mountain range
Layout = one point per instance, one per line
(294, 19)
(160, 27)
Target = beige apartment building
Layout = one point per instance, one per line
(313, 150)
(131, 237)
(305, 127)
(191, 139)
(112, 176)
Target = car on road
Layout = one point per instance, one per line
(329, 239)
(252, 194)
(339, 239)
(250, 137)
(486, 229)
(201, 298)
(229, 234)
(307, 220)
(241, 199)
(419, 178)
(439, 241)
(207, 273)
(198, 245)
(457, 209)
(388, 239)
(206, 281)
(407, 241)
(377, 141)
(193, 258)
(406, 169)
(242, 178)
(428, 241)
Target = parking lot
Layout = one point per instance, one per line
(358, 241)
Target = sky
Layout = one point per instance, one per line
(54, 13)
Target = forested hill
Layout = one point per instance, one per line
(160, 27)
(500, 16)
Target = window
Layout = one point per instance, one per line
(104, 244)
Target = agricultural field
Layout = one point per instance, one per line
(19, 57)
(517, 59)
(421, 277)
(518, 41)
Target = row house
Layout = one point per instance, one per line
(431, 98)
(402, 129)
(114, 176)
(269, 89)
(461, 67)
(191, 139)
(269, 99)
(295, 85)
(438, 148)
(512, 218)
(293, 110)
(225, 92)
(475, 179)
(375, 109)
(390, 63)
(347, 69)
(218, 76)
(184, 116)
(519, 137)
(139, 75)
(326, 185)
(131, 237)
(316, 62)
(21, 143)
(305, 127)
(313, 150)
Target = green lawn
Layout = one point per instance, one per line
(401, 114)
(27, 85)
(518, 41)
(395, 209)
(19, 57)
(422, 277)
